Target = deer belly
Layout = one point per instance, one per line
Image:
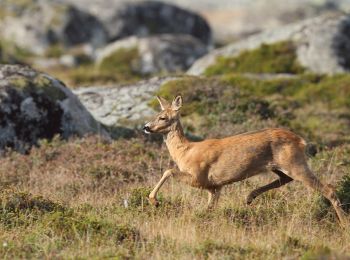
(227, 173)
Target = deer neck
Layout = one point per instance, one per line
(176, 142)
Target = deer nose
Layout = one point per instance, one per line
(146, 129)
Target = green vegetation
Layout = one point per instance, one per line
(11, 53)
(65, 200)
(306, 104)
(268, 58)
(39, 85)
(119, 67)
(85, 198)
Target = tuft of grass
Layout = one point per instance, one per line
(71, 226)
(268, 58)
(22, 208)
(320, 252)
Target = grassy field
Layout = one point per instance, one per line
(85, 198)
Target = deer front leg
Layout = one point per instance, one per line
(214, 195)
(182, 176)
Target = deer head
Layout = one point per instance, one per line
(167, 119)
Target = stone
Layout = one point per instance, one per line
(322, 44)
(34, 106)
(125, 105)
(35, 25)
(144, 18)
(159, 53)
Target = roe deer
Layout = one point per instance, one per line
(213, 163)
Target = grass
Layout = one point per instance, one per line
(233, 103)
(119, 67)
(69, 199)
(268, 58)
(87, 198)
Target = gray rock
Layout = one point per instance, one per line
(232, 19)
(34, 105)
(155, 17)
(121, 105)
(37, 24)
(322, 44)
(160, 53)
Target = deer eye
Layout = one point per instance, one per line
(162, 118)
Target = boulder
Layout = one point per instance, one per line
(34, 105)
(36, 25)
(322, 44)
(157, 54)
(231, 20)
(125, 105)
(154, 17)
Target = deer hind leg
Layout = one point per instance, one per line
(181, 176)
(283, 179)
(304, 174)
(213, 197)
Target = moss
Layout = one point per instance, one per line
(273, 58)
(121, 62)
(119, 67)
(41, 84)
(54, 51)
(12, 53)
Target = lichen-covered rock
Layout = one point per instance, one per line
(154, 54)
(155, 17)
(322, 45)
(37, 24)
(34, 105)
(121, 105)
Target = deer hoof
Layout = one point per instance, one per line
(250, 200)
(153, 201)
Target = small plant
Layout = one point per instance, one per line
(139, 197)
(21, 208)
(71, 226)
(323, 206)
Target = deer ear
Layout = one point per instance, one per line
(177, 103)
(164, 104)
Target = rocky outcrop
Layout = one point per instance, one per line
(34, 105)
(322, 44)
(232, 19)
(157, 54)
(155, 17)
(121, 105)
(38, 24)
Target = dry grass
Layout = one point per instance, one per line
(93, 206)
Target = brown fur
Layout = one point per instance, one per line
(213, 163)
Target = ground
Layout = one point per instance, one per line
(87, 198)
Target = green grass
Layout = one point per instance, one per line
(119, 67)
(314, 106)
(53, 206)
(268, 58)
